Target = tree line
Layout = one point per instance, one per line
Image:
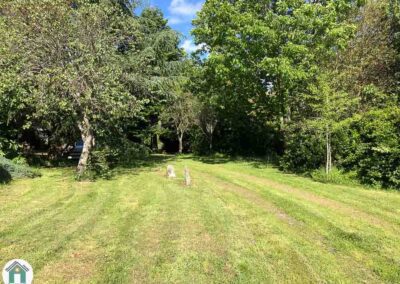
(315, 82)
(309, 84)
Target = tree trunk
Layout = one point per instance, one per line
(211, 143)
(328, 164)
(88, 144)
(180, 138)
(158, 140)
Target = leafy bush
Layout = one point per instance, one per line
(366, 144)
(198, 142)
(103, 159)
(336, 176)
(374, 148)
(130, 152)
(10, 170)
(304, 149)
(99, 165)
(19, 160)
(5, 176)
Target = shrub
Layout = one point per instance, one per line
(5, 176)
(366, 144)
(336, 176)
(130, 152)
(99, 165)
(104, 158)
(10, 170)
(19, 160)
(304, 149)
(374, 148)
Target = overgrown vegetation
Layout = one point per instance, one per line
(312, 84)
(13, 170)
(315, 82)
(84, 69)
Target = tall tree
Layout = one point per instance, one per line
(71, 58)
(369, 61)
(182, 113)
(264, 56)
(208, 121)
(329, 107)
(162, 61)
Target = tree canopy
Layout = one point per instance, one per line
(309, 84)
(297, 70)
(91, 63)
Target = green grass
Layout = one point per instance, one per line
(240, 222)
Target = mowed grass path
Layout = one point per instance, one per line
(240, 222)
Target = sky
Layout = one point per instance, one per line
(180, 14)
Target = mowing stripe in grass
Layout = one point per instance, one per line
(309, 240)
(360, 245)
(377, 202)
(236, 224)
(286, 234)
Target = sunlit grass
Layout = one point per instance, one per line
(240, 221)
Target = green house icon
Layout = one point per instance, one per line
(17, 273)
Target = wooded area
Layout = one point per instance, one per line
(312, 86)
(267, 150)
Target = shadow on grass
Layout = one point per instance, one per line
(140, 164)
(160, 160)
(67, 168)
(214, 160)
(256, 162)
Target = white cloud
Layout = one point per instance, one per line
(189, 46)
(176, 20)
(184, 7)
(183, 11)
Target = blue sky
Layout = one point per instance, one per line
(180, 14)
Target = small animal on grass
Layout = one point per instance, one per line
(171, 172)
(188, 180)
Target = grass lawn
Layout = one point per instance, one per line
(240, 222)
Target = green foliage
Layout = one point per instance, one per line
(83, 69)
(10, 170)
(71, 62)
(373, 149)
(263, 56)
(164, 60)
(125, 153)
(367, 145)
(111, 154)
(99, 166)
(304, 148)
(130, 153)
(21, 161)
(5, 176)
(394, 16)
(266, 67)
(314, 81)
(303, 68)
(181, 112)
(336, 176)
